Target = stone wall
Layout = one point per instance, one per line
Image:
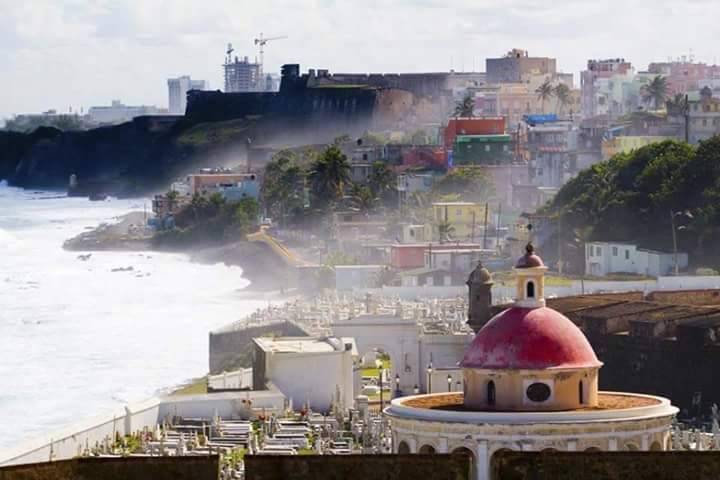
(510, 465)
(686, 297)
(137, 468)
(357, 467)
(231, 349)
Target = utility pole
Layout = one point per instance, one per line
(674, 238)
(686, 111)
(472, 234)
(497, 228)
(560, 252)
(485, 227)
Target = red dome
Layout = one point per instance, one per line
(529, 261)
(530, 339)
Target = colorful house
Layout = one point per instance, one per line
(483, 150)
(465, 220)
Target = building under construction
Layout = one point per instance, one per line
(241, 75)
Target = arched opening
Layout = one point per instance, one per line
(467, 452)
(593, 449)
(547, 450)
(530, 290)
(631, 447)
(581, 393)
(491, 393)
(427, 450)
(375, 378)
(656, 446)
(403, 448)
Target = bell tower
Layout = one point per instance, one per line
(480, 297)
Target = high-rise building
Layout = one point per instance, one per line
(241, 75)
(177, 92)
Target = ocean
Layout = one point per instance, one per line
(78, 339)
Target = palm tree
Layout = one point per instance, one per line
(562, 94)
(329, 174)
(363, 199)
(544, 93)
(677, 105)
(466, 106)
(445, 231)
(655, 91)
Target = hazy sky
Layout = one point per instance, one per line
(61, 53)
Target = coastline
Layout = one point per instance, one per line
(267, 274)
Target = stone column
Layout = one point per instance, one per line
(645, 443)
(482, 460)
(412, 444)
(571, 445)
(442, 445)
(613, 444)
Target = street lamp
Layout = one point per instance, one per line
(457, 386)
(397, 385)
(449, 380)
(685, 214)
(429, 377)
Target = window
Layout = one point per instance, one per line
(598, 251)
(487, 148)
(491, 393)
(530, 290)
(615, 251)
(627, 254)
(581, 393)
(538, 392)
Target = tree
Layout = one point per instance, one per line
(677, 105)
(466, 106)
(363, 199)
(329, 175)
(628, 198)
(655, 91)
(562, 94)
(468, 183)
(282, 190)
(445, 230)
(544, 93)
(171, 198)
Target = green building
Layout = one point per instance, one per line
(483, 150)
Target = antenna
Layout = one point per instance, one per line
(230, 49)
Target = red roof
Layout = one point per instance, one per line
(530, 339)
(529, 260)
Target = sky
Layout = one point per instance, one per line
(65, 54)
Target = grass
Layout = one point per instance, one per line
(205, 134)
(372, 371)
(195, 387)
(306, 451)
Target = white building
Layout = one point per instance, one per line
(177, 92)
(603, 258)
(348, 277)
(311, 371)
(530, 383)
(117, 112)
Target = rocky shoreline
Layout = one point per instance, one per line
(266, 272)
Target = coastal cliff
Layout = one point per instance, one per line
(129, 159)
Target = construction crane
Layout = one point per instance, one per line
(261, 41)
(228, 52)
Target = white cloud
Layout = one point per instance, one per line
(72, 52)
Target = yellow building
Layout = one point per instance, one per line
(617, 145)
(465, 221)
